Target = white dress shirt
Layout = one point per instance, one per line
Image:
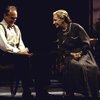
(11, 40)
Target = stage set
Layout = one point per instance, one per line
(35, 22)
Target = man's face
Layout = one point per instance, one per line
(11, 17)
(57, 21)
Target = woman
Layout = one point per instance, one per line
(75, 61)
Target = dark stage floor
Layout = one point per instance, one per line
(56, 93)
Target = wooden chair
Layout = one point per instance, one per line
(93, 42)
(7, 75)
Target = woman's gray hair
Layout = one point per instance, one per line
(63, 14)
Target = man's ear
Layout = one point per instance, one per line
(4, 15)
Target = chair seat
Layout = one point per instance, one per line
(93, 41)
(6, 66)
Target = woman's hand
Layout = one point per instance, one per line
(76, 54)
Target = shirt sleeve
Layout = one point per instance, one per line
(84, 38)
(21, 45)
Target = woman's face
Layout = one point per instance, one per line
(57, 21)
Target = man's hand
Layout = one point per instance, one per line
(25, 53)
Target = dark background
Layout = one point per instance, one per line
(35, 22)
(35, 19)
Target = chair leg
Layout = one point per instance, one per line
(14, 87)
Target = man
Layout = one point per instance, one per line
(13, 48)
(74, 59)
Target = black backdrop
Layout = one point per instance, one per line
(35, 21)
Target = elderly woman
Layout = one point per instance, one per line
(74, 60)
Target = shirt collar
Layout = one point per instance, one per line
(6, 25)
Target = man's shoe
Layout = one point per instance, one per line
(25, 95)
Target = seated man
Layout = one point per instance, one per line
(13, 48)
